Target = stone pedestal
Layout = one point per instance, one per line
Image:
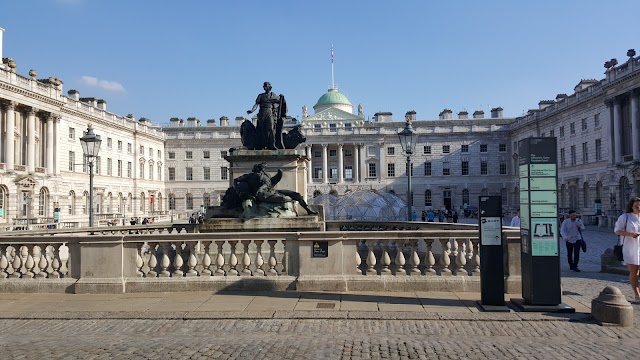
(611, 307)
(293, 164)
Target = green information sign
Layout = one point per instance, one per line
(543, 197)
(550, 210)
(524, 184)
(524, 216)
(542, 184)
(544, 237)
(538, 170)
(1, 212)
(524, 171)
(524, 196)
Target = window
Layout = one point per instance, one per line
(142, 202)
(160, 172)
(573, 155)
(223, 154)
(109, 168)
(596, 120)
(171, 155)
(348, 153)
(72, 133)
(372, 170)
(316, 126)
(150, 152)
(120, 168)
(503, 168)
(189, 201)
(598, 149)
(150, 171)
(72, 202)
(129, 169)
(347, 125)
(317, 172)
(332, 127)
(84, 163)
(206, 154)
(72, 160)
(97, 166)
(141, 150)
(391, 150)
(464, 148)
(502, 148)
(552, 133)
(483, 148)
(427, 169)
(391, 170)
(427, 198)
(206, 200)
(141, 171)
(317, 153)
(585, 153)
(484, 168)
(159, 154)
(572, 128)
(172, 174)
(584, 124)
(333, 173)
(224, 173)
(172, 202)
(348, 172)
(43, 202)
(371, 150)
(561, 131)
(189, 155)
(446, 171)
(189, 173)
(109, 143)
(129, 148)
(333, 152)
(427, 149)
(446, 149)
(562, 158)
(465, 168)
(119, 145)
(465, 197)
(206, 173)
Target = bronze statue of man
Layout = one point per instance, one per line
(270, 118)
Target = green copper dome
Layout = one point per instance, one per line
(333, 97)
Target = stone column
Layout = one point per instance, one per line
(617, 131)
(9, 145)
(310, 166)
(635, 125)
(383, 161)
(340, 164)
(31, 141)
(49, 141)
(56, 147)
(325, 176)
(356, 163)
(364, 171)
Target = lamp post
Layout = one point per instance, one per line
(408, 142)
(90, 147)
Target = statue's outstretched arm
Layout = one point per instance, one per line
(276, 178)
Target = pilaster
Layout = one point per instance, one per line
(9, 145)
(31, 140)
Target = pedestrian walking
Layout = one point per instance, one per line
(628, 227)
(570, 231)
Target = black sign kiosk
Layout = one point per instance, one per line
(491, 254)
(539, 227)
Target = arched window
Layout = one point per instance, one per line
(585, 194)
(427, 198)
(159, 201)
(503, 196)
(85, 203)
(3, 202)
(599, 190)
(129, 202)
(172, 201)
(465, 197)
(142, 202)
(484, 192)
(109, 203)
(206, 200)
(43, 202)
(189, 201)
(72, 202)
(120, 203)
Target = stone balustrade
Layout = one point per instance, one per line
(163, 258)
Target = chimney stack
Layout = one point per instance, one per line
(463, 115)
(496, 113)
(174, 122)
(445, 114)
(478, 114)
(211, 122)
(224, 121)
(74, 94)
(411, 115)
(102, 104)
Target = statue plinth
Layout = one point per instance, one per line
(293, 164)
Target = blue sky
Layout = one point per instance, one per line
(161, 59)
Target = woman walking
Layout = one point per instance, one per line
(628, 227)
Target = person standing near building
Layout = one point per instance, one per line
(628, 227)
(570, 231)
(515, 221)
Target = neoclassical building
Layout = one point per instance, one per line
(148, 170)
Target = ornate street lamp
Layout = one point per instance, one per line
(408, 138)
(90, 147)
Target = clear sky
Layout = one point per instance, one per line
(161, 59)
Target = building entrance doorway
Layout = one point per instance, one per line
(447, 199)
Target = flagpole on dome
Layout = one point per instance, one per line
(333, 86)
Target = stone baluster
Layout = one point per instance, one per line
(415, 259)
(219, 261)
(272, 258)
(166, 262)
(153, 260)
(29, 264)
(246, 260)
(24, 254)
(43, 264)
(284, 259)
(430, 259)
(233, 260)
(445, 261)
(385, 259)
(259, 260)
(16, 264)
(206, 260)
(358, 260)
(371, 259)
(400, 260)
(178, 261)
(475, 270)
(193, 261)
(4, 262)
(461, 259)
(56, 263)
(139, 264)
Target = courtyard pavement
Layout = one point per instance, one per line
(311, 325)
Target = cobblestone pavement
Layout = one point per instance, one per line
(389, 336)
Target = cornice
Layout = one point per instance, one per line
(31, 94)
